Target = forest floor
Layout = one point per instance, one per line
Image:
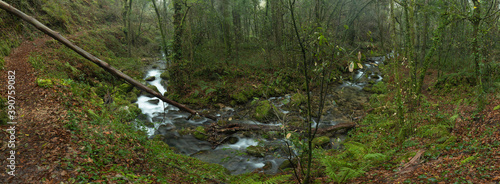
(47, 151)
(471, 155)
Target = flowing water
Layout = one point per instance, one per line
(163, 119)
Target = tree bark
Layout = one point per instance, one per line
(92, 58)
(235, 127)
(177, 45)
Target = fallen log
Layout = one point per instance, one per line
(94, 59)
(235, 127)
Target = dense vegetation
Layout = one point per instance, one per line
(438, 101)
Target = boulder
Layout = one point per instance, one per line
(154, 101)
(150, 78)
(257, 151)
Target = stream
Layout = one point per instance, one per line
(343, 104)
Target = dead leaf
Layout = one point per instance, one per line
(360, 65)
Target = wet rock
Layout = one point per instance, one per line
(257, 151)
(267, 165)
(168, 130)
(187, 144)
(142, 117)
(150, 78)
(154, 101)
(149, 124)
(232, 140)
(157, 119)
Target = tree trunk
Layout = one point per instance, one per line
(226, 28)
(476, 22)
(160, 25)
(177, 45)
(94, 59)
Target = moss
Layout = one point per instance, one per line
(378, 88)
(257, 151)
(298, 99)
(320, 141)
(468, 159)
(288, 164)
(200, 133)
(2, 63)
(263, 110)
(452, 139)
(45, 83)
(240, 97)
(125, 87)
(356, 149)
(154, 88)
(433, 131)
(3, 111)
(132, 97)
(165, 75)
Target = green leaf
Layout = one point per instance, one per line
(209, 91)
(496, 108)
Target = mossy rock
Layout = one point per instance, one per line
(44, 83)
(320, 141)
(257, 151)
(134, 108)
(150, 78)
(288, 164)
(165, 75)
(132, 97)
(240, 97)
(298, 99)
(136, 91)
(232, 140)
(456, 79)
(200, 133)
(263, 110)
(154, 88)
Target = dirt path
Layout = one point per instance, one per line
(41, 141)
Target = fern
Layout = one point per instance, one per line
(375, 157)
(277, 179)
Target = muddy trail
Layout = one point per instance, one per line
(40, 139)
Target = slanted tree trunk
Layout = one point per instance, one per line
(92, 58)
